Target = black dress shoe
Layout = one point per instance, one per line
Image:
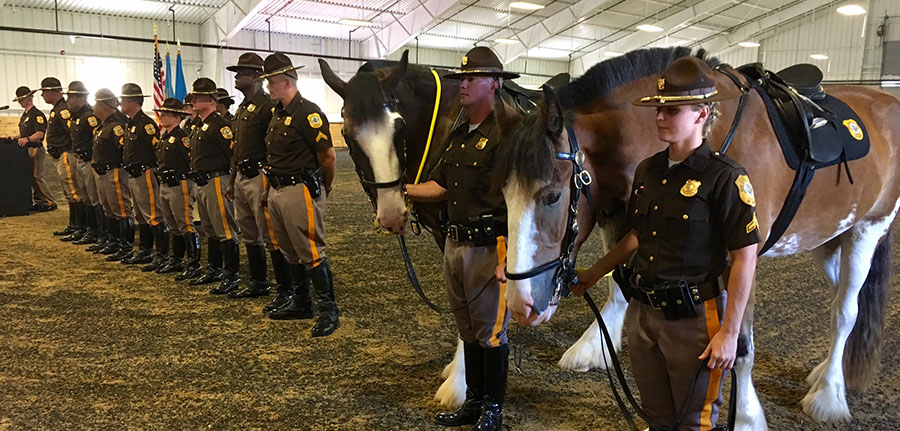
(142, 257)
(172, 265)
(190, 272)
(491, 418)
(88, 238)
(123, 253)
(111, 248)
(280, 301)
(158, 262)
(47, 207)
(326, 325)
(295, 309)
(255, 289)
(211, 276)
(74, 236)
(67, 231)
(96, 247)
(230, 283)
(466, 414)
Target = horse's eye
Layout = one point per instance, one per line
(551, 198)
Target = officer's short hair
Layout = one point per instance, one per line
(713, 116)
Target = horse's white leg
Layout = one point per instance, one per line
(588, 351)
(828, 258)
(750, 415)
(826, 399)
(453, 391)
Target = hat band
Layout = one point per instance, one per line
(280, 71)
(134, 95)
(205, 93)
(51, 88)
(706, 93)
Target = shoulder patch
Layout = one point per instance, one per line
(753, 223)
(118, 130)
(150, 129)
(92, 120)
(40, 119)
(321, 136)
(746, 190)
(65, 114)
(315, 121)
(226, 132)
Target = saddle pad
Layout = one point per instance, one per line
(848, 131)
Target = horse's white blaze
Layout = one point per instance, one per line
(377, 140)
(521, 244)
(826, 399)
(453, 391)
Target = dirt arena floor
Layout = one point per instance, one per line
(91, 345)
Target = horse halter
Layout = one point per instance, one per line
(563, 267)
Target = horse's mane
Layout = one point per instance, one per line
(364, 87)
(528, 150)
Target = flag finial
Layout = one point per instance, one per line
(154, 28)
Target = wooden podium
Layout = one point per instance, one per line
(15, 179)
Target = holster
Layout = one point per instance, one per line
(137, 169)
(250, 168)
(55, 152)
(481, 231)
(170, 177)
(84, 154)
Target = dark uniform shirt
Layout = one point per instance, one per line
(211, 144)
(82, 131)
(189, 124)
(58, 137)
(297, 133)
(465, 171)
(174, 151)
(250, 124)
(31, 122)
(141, 138)
(689, 216)
(228, 116)
(109, 140)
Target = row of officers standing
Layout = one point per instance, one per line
(261, 176)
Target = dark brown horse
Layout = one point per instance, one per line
(845, 226)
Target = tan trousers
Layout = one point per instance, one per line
(664, 355)
(39, 189)
(176, 203)
(145, 192)
(115, 196)
(216, 212)
(299, 224)
(467, 269)
(67, 170)
(85, 176)
(253, 219)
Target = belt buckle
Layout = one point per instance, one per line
(453, 232)
(654, 301)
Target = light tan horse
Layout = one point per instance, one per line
(842, 225)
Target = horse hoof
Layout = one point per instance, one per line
(826, 403)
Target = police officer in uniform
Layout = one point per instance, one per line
(247, 183)
(176, 196)
(476, 243)
(692, 210)
(192, 118)
(111, 179)
(84, 124)
(139, 158)
(301, 168)
(32, 125)
(59, 145)
(211, 144)
(223, 104)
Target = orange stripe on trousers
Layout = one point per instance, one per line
(715, 376)
(71, 180)
(501, 301)
(269, 226)
(153, 220)
(122, 212)
(222, 207)
(188, 220)
(311, 217)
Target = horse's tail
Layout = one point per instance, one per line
(862, 354)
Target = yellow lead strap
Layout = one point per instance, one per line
(437, 104)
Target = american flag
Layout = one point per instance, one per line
(159, 76)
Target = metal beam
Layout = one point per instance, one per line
(234, 15)
(387, 40)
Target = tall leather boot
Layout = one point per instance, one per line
(496, 368)
(76, 209)
(161, 257)
(470, 410)
(284, 282)
(299, 304)
(102, 230)
(213, 263)
(259, 280)
(114, 231)
(323, 283)
(91, 232)
(175, 263)
(126, 240)
(231, 277)
(192, 247)
(70, 229)
(145, 248)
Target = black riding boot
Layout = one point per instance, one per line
(231, 278)
(259, 283)
(145, 248)
(76, 209)
(161, 257)
(496, 367)
(70, 229)
(102, 230)
(213, 263)
(192, 268)
(126, 240)
(323, 283)
(91, 232)
(469, 412)
(299, 304)
(283, 280)
(174, 263)
(114, 232)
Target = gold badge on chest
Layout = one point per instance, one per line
(690, 188)
(251, 107)
(481, 144)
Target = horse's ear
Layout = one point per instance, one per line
(390, 82)
(335, 82)
(552, 110)
(506, 115)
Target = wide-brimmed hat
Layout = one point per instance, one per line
(106, 97)
(481, 61)
(23, 92)
(278, 63)
(189, 100)
(171, 106)
(248, 62)
(50, 84)
(223, 97)
(78, 88)
(204, 87)
(132, 90)
(687, 81)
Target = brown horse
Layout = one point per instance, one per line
(845, 226)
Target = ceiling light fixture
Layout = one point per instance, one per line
(356, 22)
(819, 57)
(524, 5)
(649, 28)
(851, 10)
(748, 44)
(505, 41)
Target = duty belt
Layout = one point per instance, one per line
(203, 177)
(250, 168)
(171, 177)
(102, 168)
(675, 299)
(57, 152)
(480, 233)
(137, 169)
(311, 178)
(84, 154)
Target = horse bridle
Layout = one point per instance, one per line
(563, 267)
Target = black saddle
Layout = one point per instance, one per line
(523, 99)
